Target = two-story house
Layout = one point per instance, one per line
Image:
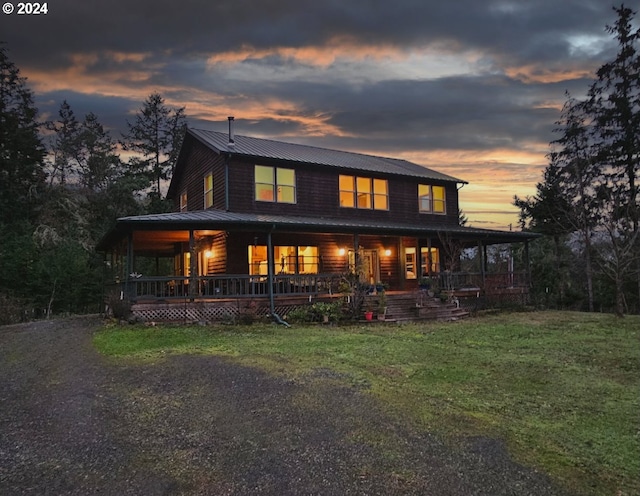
(268, 220)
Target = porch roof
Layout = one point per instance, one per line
(213, 219)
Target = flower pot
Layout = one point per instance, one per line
(368, 315)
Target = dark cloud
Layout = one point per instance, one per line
(331, 73)
(521, 30)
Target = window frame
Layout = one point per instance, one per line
(363, 197)
(208, 191)
(183, 201)
(436, 206)
(277, 185)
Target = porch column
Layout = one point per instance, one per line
(128, 287)
(356, 255)
(528, 262)
(429, 261)
(193, 264)
(270, 269)
(482, 255)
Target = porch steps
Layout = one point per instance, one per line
(408, 307)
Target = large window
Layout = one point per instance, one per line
(275, 184)
(208, 190)
(410, 262)
(287, 259)
(363, 192)
(431, 199)
(430, 260)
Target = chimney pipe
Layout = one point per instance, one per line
(231, 133)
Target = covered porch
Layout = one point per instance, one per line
(214, 258)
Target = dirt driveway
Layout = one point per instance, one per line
(73, 422)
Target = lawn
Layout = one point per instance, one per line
(561, 388)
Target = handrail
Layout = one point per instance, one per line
(249, 286)
(230, 286)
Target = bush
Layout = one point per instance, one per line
(119, 305)
(11, 310)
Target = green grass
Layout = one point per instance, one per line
(563, 389)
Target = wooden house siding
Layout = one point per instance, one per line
(317, 193)
(329, 245)
(201, 160)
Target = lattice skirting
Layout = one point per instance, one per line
(210, 311)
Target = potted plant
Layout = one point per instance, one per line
(381, 286)
(382, 305)
(428, 284)
(424, 283)
(368, 310)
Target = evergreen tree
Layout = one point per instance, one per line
(614, 103)
(155, 135)
(65, 145)
(21, 152)
(590, 185)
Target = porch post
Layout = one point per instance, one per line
(527, 261)
(356, 255)
(193, 264)
(270, 269)
(482, 254)
(429, 261)
(130, 265)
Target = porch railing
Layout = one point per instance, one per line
(488, 281)
(230, 286)
(246, 286)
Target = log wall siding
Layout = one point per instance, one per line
(237, 251)
(317, 194)
(199, 161)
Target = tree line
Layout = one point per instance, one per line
(64, 182)
(62, 185)
(587, 203)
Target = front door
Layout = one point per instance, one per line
(370, 267)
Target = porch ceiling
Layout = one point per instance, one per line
(163, 241)
(174, 227)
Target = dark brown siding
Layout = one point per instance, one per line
(316, 190)
(328, 250)
(200, 161)
(218, 263)
(317, 195)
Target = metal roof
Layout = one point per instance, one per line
(223, 220)
(266, 148)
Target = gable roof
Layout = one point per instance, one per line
(258, 148)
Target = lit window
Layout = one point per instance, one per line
(274, 184)
(431, 199)
(183, 201)
(347, 187)
(430, 260)
(208, 190)
(287, 259)
(363, 192)
(410, 262)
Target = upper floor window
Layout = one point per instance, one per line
(183, 201)
(275, 184)
(208, 190)
(431, 199)
(363, 192)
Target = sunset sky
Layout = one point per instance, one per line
(471, 88)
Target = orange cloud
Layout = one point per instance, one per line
(323, 56)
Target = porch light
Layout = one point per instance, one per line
(387, 252)
(208, 254)
(341, 252)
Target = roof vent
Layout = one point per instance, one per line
(231, 133)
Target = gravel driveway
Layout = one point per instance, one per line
(74, 422)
